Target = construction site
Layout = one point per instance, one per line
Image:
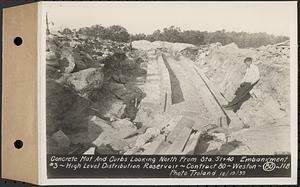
(156, 98)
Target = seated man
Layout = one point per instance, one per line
(242, 93)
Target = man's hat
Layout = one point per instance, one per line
(248, 59)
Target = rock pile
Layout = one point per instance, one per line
(278, 52)
(92, 96)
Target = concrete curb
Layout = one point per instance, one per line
(166, 92)
(234, 120)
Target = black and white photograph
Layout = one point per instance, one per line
(170, 78)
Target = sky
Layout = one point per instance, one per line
(145, 17)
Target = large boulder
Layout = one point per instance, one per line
(66, 110)
(126, 92)
(120, 78)
(80, 64)
(61, 139)
(76, 118)
(124, 127)
(59, 100)
(52, 43)
(128, 64)
(130, 95)
(95, 126)
(50, 55)
(53, 72)
(111, 141)
(107, 104)
(118, 89)
(109, 144)
(114, 61)
(85, 81)
(67, 62)
(83, 60)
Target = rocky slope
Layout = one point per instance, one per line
(92, 94)
(268, 108)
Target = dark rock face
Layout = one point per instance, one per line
(67, 113)
(59, 100)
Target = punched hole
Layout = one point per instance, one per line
(18, 41)
(18, 144)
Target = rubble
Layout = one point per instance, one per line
(91, 92)
(281, 50)
(75, 54)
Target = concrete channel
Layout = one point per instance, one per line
(175, 85)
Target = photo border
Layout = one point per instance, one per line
(169, 181)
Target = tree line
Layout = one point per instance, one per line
(175, 34)
(242, 39)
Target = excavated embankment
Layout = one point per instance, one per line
(267, 111)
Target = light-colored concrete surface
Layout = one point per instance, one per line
(266, 139)
(152, 86)
(197, 98)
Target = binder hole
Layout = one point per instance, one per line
(18, 41)
(18, 144)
